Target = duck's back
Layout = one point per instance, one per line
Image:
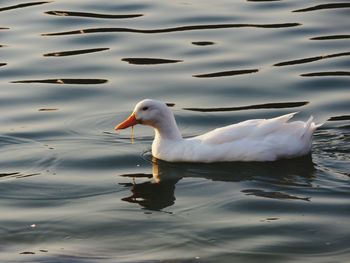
(253, 140)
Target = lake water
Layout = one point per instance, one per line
(73, 190)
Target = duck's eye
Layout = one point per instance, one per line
(145, 108)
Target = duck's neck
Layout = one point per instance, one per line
(167, 130)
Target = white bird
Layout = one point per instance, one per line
(251, 140)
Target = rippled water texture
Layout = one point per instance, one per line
(72, 190)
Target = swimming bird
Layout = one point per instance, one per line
(251, 140)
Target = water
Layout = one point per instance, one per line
(72, 190)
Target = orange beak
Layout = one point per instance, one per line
(130, 121)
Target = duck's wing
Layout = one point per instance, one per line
(256, 128)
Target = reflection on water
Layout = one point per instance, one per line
(226, 73)
(324, 6)
(149, 61)
(159, 192)
(48, 109)
(273, 195)
(333, 37)
(74, 52)
(307, 60)
(22, 5)
(280, 105)
(339, 118)
(15, 175)
(91, 15)
(169, 30)
(203, 43)
(63, 81)
(326, 74)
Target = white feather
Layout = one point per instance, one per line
(251, 140)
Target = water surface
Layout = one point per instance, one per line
(72, 190)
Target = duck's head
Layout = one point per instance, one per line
(147, 112)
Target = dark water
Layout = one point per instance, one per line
(71, 190)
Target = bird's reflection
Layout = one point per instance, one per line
(158, 192)
(153, 195)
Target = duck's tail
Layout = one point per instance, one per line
(310, 127)
(285, 118)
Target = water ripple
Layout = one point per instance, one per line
(92, 15)
(63, 81)
(21, 158)
(203, 43)
(251, 107)
(48, 109)
(226, 73)
(264, 0)
(170, 29)
(23, 5)
(149, 61)
(273, 195)
(39, 192)
(311, 59)
(16, 175)
(327, 74)
(324, 6)
(339, 118)
(74, 52)
(331, 37)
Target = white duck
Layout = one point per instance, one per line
(251, 140)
